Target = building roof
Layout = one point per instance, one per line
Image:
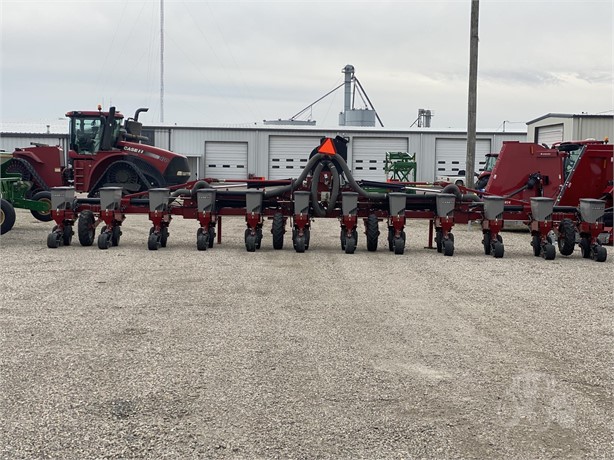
(569, 115)
(59, 127)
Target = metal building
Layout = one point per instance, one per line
(560, 127)
(276, 152)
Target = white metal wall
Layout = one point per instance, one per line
(10, 142)
(451, 155)
(369, 155)
(226, 160)
(288, 155)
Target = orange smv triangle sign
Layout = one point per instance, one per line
(327, 147)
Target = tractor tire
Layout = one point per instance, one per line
(448, 247)
(250, 242)
(600, 254)
(104, 239)
(486, 242)
(439, 240)
(549, 251)
(278, 228)
(343, 238)
(153, 242)
(372, 231)
(585, 248)
(299, 244)
(44, 197)
(202, 240)
(211, 236)
(258, 237)
(164, 236)
(536, 243)
(116, 233)
(85, 228)
(67, 235)
(399, 245)
(567, 237)
(350, 245)
(7, 217)
(53, 240)
(498, 249)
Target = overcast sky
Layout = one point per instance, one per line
(239, 62)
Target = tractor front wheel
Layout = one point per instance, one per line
(7, 217)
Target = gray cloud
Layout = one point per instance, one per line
(237, 62)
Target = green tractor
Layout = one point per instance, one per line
(14, 193)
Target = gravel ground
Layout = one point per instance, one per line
(176, 353)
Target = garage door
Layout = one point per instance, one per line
(226, 160)
(288, 155)
(369, 155)
(451, 155)
(549, 134)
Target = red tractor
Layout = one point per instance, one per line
(102, 153)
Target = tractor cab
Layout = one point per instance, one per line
(91, 132)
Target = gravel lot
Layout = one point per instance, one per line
(176, 353)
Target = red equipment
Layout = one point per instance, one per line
(332, 194)
(102, 153)
(566, 172)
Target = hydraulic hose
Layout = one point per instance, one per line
(318, 210)
(357, 188)
(198, 185)
(291, 187)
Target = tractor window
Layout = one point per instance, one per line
(572, 159)
(86, 135)
(490, 162)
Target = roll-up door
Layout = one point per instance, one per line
(226, 160)
(549, 134)
(369, 155)
(451, 155)
(288, 155)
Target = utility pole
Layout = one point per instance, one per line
(473, 90)
(161, 61)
